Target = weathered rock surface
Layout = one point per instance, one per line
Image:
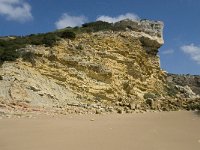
(150, 32)
(193, 81)
(97, 72)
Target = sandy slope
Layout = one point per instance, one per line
(150, 131)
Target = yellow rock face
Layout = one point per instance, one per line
(102, 66)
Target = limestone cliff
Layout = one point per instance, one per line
(95, 72)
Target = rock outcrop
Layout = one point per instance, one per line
(149, 32)
(105, 71)
(192, 81)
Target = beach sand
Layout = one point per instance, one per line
(149, 131)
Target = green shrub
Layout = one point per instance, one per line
(49, 40)
(29, 57)
(8, 47)
(35, 40)
(97, 26)
(68, 35)
(9, 55)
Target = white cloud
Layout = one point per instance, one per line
(168, 52)
(109, 19)
(193, 51)
(17, 10)
(67, 20)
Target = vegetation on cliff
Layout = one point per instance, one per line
(9, 45)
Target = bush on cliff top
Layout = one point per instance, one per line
(68, 35)
(93, 27)
(8, 46)
(97, 26)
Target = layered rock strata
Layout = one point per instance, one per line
(105, 71)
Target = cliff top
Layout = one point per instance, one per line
(149, 32)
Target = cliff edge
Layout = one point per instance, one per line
(104, 68)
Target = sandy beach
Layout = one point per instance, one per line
(149, 131)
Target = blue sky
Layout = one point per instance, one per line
(180, 53)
